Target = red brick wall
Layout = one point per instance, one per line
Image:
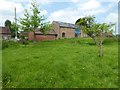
(45, 37)
(30, 36)
(41, 37)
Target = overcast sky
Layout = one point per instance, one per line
(63, 10)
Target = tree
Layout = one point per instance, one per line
(101, 29)
(33, 20)
(87, 25)
(45, 27)
(91, 28)
(94, 30)
(25, 22)
(12, 26)
(14, 29)
(8, 23)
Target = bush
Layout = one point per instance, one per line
(24, 41)
(7, 78)
(109, 41)
(22, 37)
(6, 44)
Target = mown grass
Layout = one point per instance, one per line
(68, 63)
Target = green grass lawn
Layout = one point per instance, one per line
(68, 63)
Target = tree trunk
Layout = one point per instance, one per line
(100, 45)
(94, 38)
(34, 39)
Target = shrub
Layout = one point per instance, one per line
(22, 37)
(6, 78)
(110, 40)
(6, 44)
(24, 41)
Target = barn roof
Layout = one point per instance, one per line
(67, 25)
(37, 31)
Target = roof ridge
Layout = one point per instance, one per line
(63, 22)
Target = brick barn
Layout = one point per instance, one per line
(5, 33)
(39, 36)
(63, 29)
(59, 30)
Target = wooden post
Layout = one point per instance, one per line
(15, 24)
(34, 37)
(100, 44)
(34, 41)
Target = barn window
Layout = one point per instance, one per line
(63, 34)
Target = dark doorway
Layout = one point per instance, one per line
(63, 34)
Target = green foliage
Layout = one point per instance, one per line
(24, 41)
(4, 44)
(22, 37)
(6, 78)
(34, 19)
(45, 27)
(67, 63)
(91, 28)
(7, 44)
(25, 23)
(8, 23)
(14, 29)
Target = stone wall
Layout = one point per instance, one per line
(69, 32)
(83, 34)
(56, 28)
